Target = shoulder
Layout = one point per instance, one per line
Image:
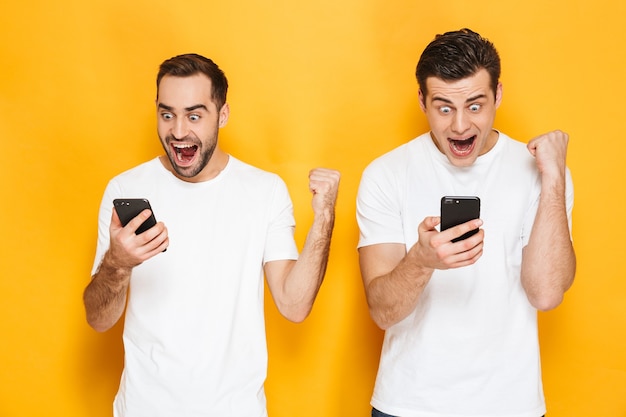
(148, 166)
(253, 181)
(396, 161)
(512, 145)
(243, 171)
(147, 171)
(515, 150)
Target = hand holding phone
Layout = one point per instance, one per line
(457, 210)
(129, 208)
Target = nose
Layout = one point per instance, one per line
(179, 129)
(460, 122)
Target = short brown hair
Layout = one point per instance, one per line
(191, 64)
(457, 55)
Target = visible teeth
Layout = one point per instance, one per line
(462, 145)
(179, 147)
(181, 150)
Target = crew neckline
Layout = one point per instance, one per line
(213, 180)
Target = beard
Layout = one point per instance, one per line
(203, 155)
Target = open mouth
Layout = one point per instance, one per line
(185, 152)
(462, 147)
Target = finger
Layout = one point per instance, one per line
(324, 171)
(323, 174)
(159, 243)
(138, 220)
(466, 258)
(460, 230)
(464, 251)
(324, 181)
(149, 243)
(555, 136)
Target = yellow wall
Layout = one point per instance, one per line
(322, 82)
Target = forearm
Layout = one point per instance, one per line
(105, 296)
(393, 296)
(549, 262)
(302, 284)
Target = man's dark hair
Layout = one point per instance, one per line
(190, 64)
(457, 55)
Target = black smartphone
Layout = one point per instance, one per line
(457, 210)
(128, 208)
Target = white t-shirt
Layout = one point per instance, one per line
(470, 347)
(194, 332)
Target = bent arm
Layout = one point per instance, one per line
(105, 296)
(394, 279)
(294, 284)
(549, 261)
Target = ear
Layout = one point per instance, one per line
(498, 95)
(224, 113)
(422, 100)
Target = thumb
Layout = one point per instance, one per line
(430, 223)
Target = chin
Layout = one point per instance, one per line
(187, 172)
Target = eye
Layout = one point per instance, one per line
(194, 117)
(474, 107)
(167, 116)
(445, 109)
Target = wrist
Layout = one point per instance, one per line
(112, 267)
(418, 267)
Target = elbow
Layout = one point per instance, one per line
(382, 321)
(546, 299)
(297, 319)
(98, 322)
(546, 302)
(100, 329)
(98, 325)
(94, 320)
(295, 315)
(383, 325)
(385, 315)
(549, 294)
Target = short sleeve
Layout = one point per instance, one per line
(379, 206)
(280, 243)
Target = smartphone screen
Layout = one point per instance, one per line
(128, 208)
(457, 210)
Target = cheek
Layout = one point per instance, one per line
(161, 130)
(441, 139)
(164, 128)
(484, 121)
(437, 122)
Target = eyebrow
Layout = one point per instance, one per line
(191, 108)
(469, 100)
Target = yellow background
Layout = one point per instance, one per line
(313, 83)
